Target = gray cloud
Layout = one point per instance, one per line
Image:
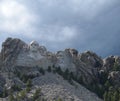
(58, 24)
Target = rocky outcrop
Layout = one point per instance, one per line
(109, 63)
(88, 65)
(87, 68)
(91, 59)
(10, 50)
(17, 53)
(114, 77)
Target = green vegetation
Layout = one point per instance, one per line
(11, 97)
(23, 94)
(42, 71)
(36, 95)
(16, 88)
(100, 90)
(112, 94)
(4, 93)
(29, 85)
(49, 69)
(103, 88)
(23, 77)
(116, 67)
(59, 99)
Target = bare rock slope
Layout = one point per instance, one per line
(54, 86)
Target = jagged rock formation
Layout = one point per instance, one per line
(16, 53)
(114, 76)
(10, 50)
(18, 59)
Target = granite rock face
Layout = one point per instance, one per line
(114, 77)
(2, 83)
(16, 53)
(18, 57)
(109, 63)
(10, 50)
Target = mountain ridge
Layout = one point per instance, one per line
(20, 61)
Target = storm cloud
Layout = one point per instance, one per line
(81, 24)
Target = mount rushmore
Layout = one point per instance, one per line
(87, 73)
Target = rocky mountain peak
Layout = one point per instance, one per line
(20, 61)
(10, 50)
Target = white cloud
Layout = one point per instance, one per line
(56, 33)
(15, 17)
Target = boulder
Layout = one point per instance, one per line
(91, 59)
(114, 77)
(108, 63)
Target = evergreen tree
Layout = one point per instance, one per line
(23, 94)
(59, 99)
(116, 67)
(41, 70)
(110, 97)
(4, 93)
(107, 85)
(29, 83)
(36, 94)
(105, 96)
(11, 97)
(49, 69)
(103, 77)
(80, 80)
(59, 71)
(115, 96)
(66, 74)
(71, 75)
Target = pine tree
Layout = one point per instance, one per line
(29, 83)
(107, 85)
(49, 69)
(59, 71)
(115, 96)
(4, 94)
(105, 96)
(59, 99)
(41, 70)
(36, 94)
(66, 74)
(110, 97)
(116, 67)
(11, 97)
(23, 94)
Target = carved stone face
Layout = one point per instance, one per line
(42, 49)
(61, 58)
(74, 52)
(60, 55)
(34, 46)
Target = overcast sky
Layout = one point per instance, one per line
(58, 24)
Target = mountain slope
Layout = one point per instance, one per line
(29, 72)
